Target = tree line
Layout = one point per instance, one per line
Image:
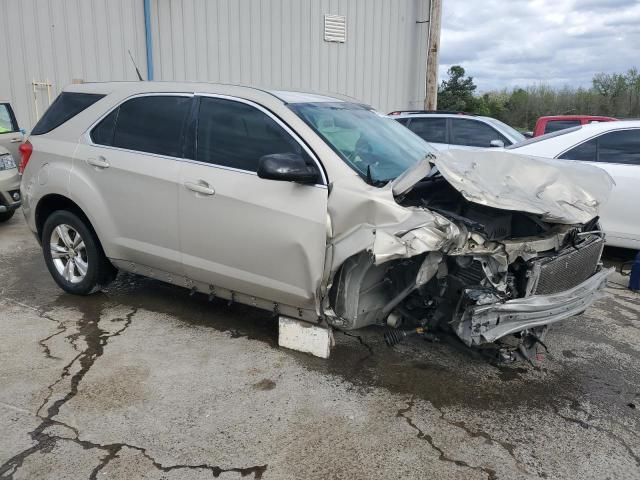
(616, 95)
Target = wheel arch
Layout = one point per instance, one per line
(53, 202)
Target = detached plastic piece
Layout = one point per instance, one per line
(305, 337)
(634, 281)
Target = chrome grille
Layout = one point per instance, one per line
(565, 271)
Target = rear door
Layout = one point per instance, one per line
(430, 129)
(10, 136)
(468, 134)
(258, 237)
(128, 171)
(617, 152)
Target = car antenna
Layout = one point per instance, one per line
(135, 66)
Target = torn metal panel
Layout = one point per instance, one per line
(371, 220)
(403, 183)
(560, 192)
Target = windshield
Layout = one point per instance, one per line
(377, 147)
(510, 131)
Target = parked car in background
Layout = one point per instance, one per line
(10, 134)
(614, 147)
(444, 130)
(9, 185)
(554, 123)
(310, 207)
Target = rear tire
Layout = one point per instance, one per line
(6, 216)
(73, 254)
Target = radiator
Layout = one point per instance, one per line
(568, 269)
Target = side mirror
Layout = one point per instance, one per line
(289, 167)
(496, 144)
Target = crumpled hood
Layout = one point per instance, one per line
(561, 192)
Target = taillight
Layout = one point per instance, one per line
(26, 149)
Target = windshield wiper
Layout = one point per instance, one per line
(370, 181)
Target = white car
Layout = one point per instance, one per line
(457, 130)
(614, 147)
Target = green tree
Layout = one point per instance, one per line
(456, 93)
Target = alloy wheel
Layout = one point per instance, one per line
(69, 253)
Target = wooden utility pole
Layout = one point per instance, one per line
(435, 18)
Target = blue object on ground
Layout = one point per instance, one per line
(634, 281)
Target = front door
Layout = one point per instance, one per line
(129, 169)
(467, 134)
(258, 237)
(10, 135)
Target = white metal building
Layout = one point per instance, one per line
(372, 50)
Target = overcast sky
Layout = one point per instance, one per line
(507, 43)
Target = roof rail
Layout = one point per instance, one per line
(414, 112)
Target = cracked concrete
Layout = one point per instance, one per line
(146, 381)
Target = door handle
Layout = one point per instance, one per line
(99, 162)
(15, 140)
(200, 187)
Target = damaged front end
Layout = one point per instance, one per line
(494, 268)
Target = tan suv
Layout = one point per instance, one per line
(313, 207)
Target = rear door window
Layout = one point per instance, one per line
(234, 134)
(555, 125)
(622, 146)
(587, 151)
(432, 130)
(151, 124)
(7, 119)
(65, 107)
(473, 133)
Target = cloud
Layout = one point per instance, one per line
(509, 43)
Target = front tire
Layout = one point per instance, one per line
(74, 255)
(6, 216)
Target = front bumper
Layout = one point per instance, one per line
(9, 185)
(487, 323)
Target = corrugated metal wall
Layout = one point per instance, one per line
(271, 43)
(62, 40)
(280, 44)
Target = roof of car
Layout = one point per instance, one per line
(287, 96)
(414, 113)
(601, 126)
(575, 117)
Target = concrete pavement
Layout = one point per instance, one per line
(144, 381)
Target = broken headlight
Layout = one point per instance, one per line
(7, 162)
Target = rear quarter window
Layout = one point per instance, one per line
(65, 107)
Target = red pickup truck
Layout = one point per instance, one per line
(560, 122)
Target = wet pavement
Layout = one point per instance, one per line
(146, 381)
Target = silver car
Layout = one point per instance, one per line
(10, 138)
(458, 130)
(312, 207)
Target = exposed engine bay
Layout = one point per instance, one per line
(498, 285)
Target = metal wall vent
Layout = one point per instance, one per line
(335, 28)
